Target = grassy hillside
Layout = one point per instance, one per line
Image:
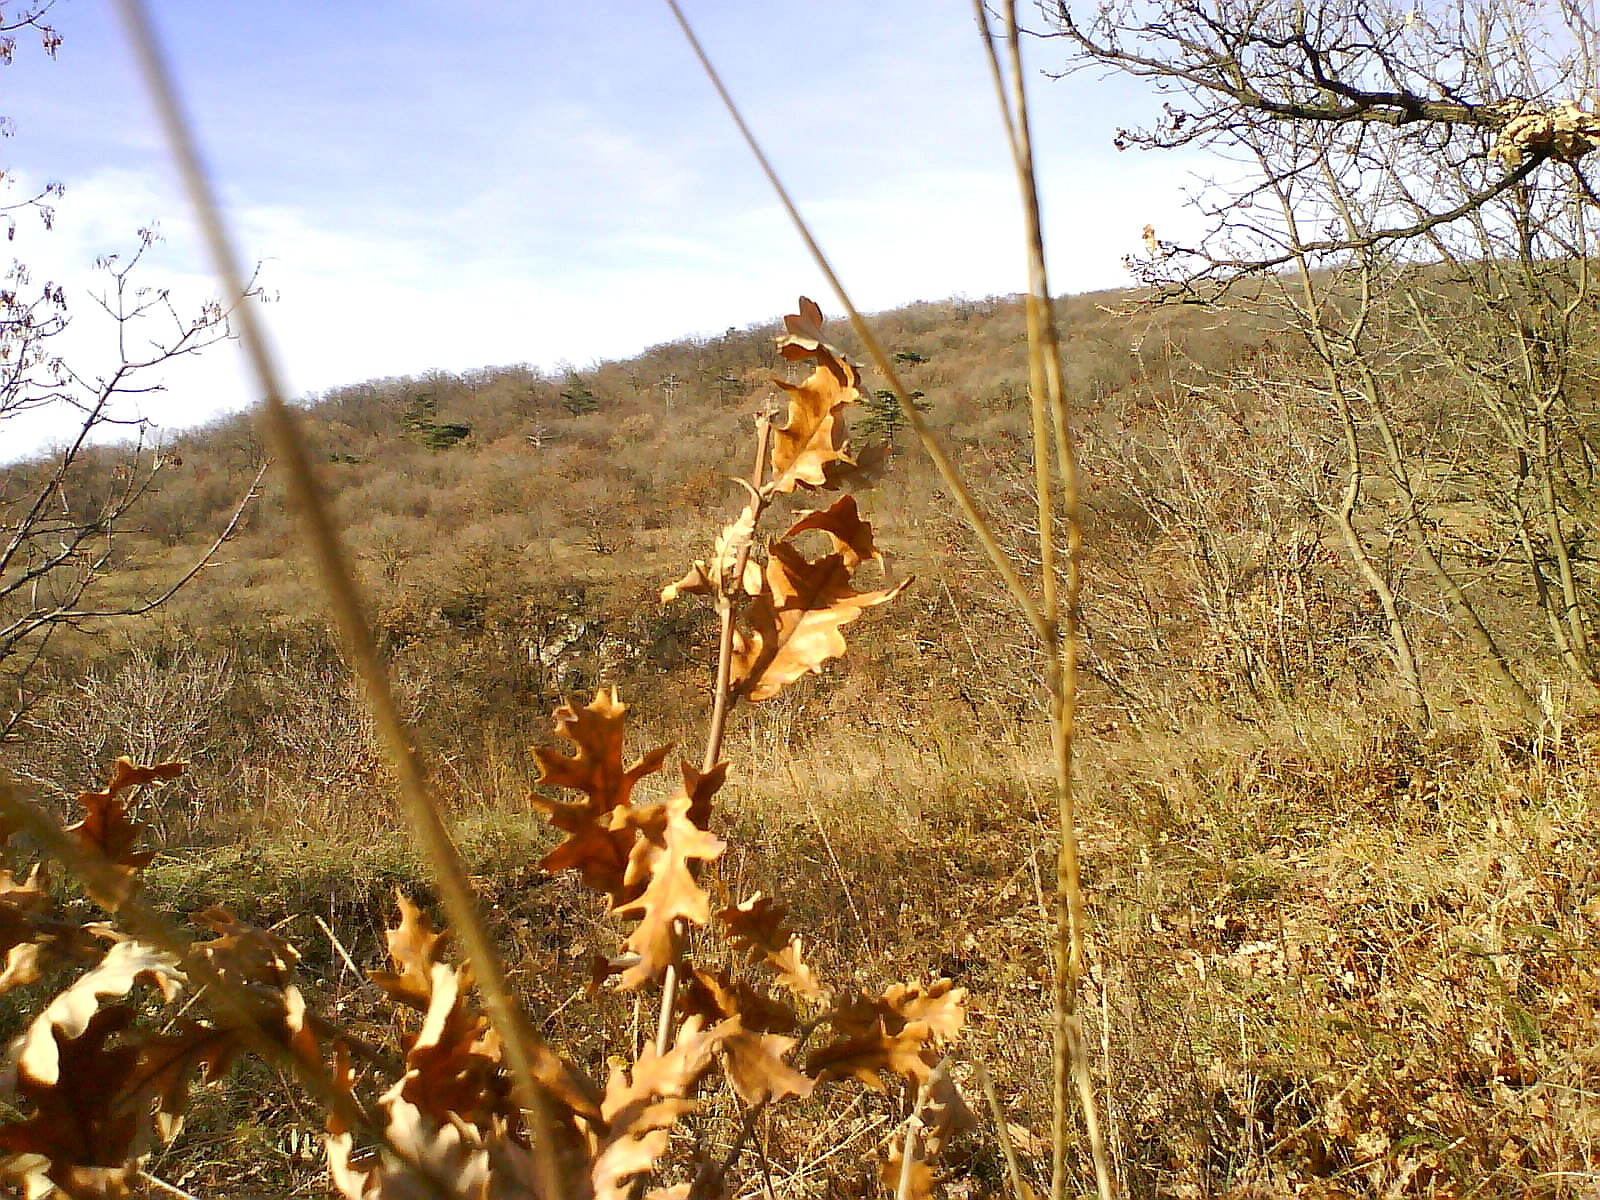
(1332, 954)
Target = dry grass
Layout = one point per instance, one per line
(1333, 958)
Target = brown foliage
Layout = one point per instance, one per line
(596, 848)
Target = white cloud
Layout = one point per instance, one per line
(574, 194)
(98, 221)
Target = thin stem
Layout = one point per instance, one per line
(880, 359)
(1072, 1070)
(724, 698)
(519, 1039)
(1019, 1188)
(911, 1152)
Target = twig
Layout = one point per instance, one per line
(337, 945)
(911, 1152)
(708, 1179)
(163, 1186)
(199, 564)
(766, 1167)
(1019, 1188)
(724, 695)
(1059, 633)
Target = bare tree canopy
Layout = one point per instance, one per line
(1457, 104)
(61, 514)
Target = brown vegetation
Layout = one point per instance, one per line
(1250, 760)
(1336, 783)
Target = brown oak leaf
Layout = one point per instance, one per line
(755, 1042)
(82, 1118)
(700, 787)
(897, 1032)
(245, 954)
(259, 965)
(795, 623)
(117, 1090)
(106, 827)
(802, 336)
(918, 1185)
(455, 1060)
(716, 577)
(32, 938)
(34, 1054)
(941, 1006)
(808, 450)
(641, 1107)
(169, 1063)
(660, 882)
(759, 927)
(842, 522)
(415, 949)
(593, 846)
(439, 1153)
(695, 582)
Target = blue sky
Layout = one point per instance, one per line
(449, 187)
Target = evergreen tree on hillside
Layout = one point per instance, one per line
(884, 417)
(578, 397)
